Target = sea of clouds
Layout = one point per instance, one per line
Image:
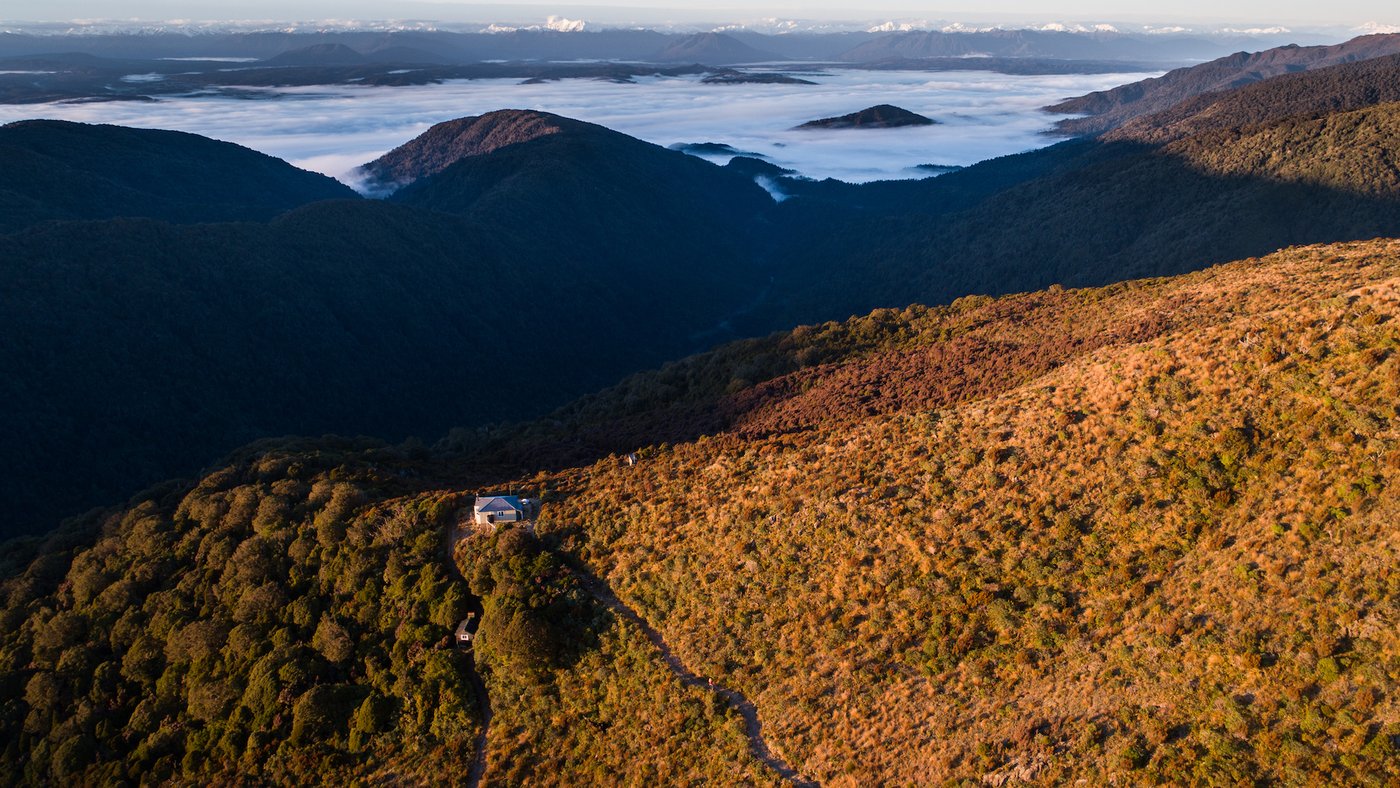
(333, 130)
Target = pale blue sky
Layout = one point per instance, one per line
(1336, 13)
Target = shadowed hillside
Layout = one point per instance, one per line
(142, 349)
(60, 170)
(528, 259)
(1108, 109)
(1305, 96)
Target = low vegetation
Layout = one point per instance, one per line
(579, 695)
(1166, 559)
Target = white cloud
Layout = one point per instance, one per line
(332, 130)
(899, 27)
(562, 25)
(1372, 28)
(1256, 31)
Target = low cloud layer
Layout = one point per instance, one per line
(333, 130)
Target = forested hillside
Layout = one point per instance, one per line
(1138, 533)
(522, 259)
(1305, 96)
(1108, 109)
(140, 349)
(59, 170)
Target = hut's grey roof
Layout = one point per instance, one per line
(499, 503)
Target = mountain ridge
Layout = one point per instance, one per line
(354, 316)
(1110, 108)
(60, 170)
(588, 237)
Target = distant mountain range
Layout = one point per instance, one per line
(711, 48)
(45, 68)
(714, 49)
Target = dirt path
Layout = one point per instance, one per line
(733, 698)
(478, 768)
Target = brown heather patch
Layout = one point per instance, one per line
(1017, 342)
(1167, 559)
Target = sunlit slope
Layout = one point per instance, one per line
(1169, 557)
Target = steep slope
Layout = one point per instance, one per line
(141, 350)
(61, 170)
(571, 176)
(1108, 109)
(1160, 561)
(1307, 95)
(1135, 534)
(632, 219)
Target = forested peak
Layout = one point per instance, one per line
(446, 143)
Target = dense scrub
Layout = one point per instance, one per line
(286, 620)
(579, 695)
(1166, 560)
